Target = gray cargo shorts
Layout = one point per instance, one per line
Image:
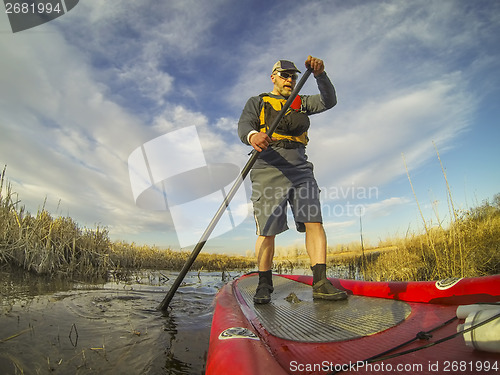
(272, 192)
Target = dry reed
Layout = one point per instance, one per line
(45, 245)
(59, 247)
(469, 247)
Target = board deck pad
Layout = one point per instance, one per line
(318, 320)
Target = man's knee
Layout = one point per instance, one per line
(267, 239)
(314, 226)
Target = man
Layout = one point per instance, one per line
(283, 175)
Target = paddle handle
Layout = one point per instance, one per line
(244, 172)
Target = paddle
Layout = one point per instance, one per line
(246, 169)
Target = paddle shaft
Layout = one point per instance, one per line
(244, 172)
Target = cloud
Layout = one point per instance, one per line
(384, 207)
(141, 50)
(338, 226)
(177, 116)
(61, 137)
(64, 138)
(79, 94)
(227, 124)
(391, 69)
(365, 144)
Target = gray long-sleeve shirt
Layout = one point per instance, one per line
(291, 163)
(311, 104)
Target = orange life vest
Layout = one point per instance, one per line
(294, 124)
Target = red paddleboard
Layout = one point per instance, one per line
(401, 327)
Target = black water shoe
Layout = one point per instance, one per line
(264, 288)
(263, 294)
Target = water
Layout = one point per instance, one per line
(109, 328)
(62, 327)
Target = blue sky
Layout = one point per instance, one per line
(79, 94)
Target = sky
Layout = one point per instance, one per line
(413, 78)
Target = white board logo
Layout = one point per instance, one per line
(237, 333)
(170, 173)
(447, 283)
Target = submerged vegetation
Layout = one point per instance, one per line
(45, 245)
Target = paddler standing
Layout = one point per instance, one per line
(282, 175)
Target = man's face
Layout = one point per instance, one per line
(284, 82)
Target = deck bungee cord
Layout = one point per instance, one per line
(422, 335)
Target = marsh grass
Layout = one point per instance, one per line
(45, 245)
(125, 256)
(58, 246)
(469, 247)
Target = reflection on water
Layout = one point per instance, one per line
(60, 327)
(109, 328)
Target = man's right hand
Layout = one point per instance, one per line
(260, 141)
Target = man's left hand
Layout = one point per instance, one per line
(316, 64)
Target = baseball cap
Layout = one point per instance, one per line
(285, 65)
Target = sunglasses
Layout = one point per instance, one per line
(286, 75)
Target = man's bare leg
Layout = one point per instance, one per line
(316, 243)
(316, 248)
(264, 250)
